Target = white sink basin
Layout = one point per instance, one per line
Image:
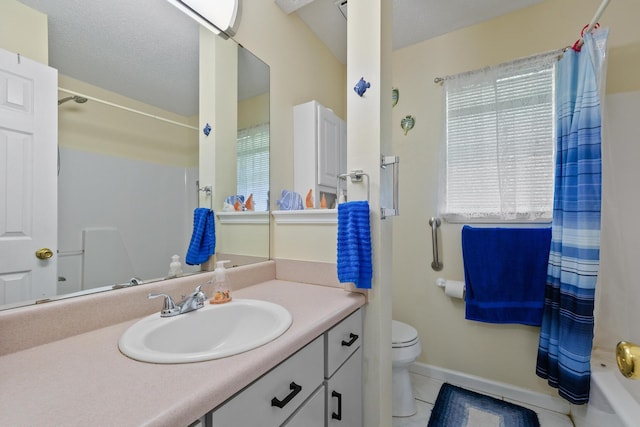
(211, 332)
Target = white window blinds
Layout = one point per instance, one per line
(498, 159)
(253, 165)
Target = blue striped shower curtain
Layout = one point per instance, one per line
(566, 335)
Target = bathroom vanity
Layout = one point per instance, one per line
(294, 393)
(313, 370)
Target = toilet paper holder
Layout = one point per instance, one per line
(458, 288)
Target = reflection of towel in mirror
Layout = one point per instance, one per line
(203, 239)
(354, 244)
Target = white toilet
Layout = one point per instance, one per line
(405, 349)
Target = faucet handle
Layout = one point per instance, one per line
(169, 308)
(199, 288)
(200, 296)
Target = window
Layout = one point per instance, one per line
(498, 159)
(253, 165)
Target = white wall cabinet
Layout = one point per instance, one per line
(319, 150)
(319, 386)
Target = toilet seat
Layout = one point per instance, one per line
(403, 335)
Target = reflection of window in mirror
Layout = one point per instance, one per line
(253, 164)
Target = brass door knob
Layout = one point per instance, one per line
(44, 253)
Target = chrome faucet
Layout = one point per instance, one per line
(135, 281)
(191, 302)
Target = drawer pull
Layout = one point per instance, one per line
(353, 337)
(337, 416)
(295, 389)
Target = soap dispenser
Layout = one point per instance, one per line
(221, 285)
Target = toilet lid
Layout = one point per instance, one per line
(402, 333)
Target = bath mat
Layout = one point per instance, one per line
(458, 407)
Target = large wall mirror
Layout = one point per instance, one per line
(128, 147)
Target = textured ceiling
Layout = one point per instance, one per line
(144, 49)
(148, 50)
(413, 20)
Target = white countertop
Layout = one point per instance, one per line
(84, 380)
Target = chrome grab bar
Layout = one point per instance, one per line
(435, 223)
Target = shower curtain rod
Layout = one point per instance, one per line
(594, 21)
(131, 110)
(578, 44)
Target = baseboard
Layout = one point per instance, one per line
(504, 391)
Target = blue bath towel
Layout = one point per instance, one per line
(203, 239)
(505, 271)
(354, 244)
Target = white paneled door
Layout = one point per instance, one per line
(28, 179)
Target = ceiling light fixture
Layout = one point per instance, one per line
(219, 16)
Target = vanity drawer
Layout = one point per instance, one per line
(311, 414)
(288, 385)
(341, 341)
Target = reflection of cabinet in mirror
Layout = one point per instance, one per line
(319, 151)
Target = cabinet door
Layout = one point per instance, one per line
(329, 136)
(341, 341)
(344, 394)
(311, 414)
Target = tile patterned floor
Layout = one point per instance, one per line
(426, 391)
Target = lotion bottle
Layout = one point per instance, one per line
(221, 285)
(175, 268)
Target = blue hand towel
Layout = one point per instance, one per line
(203, 239)
(505, 271)
(354, 244)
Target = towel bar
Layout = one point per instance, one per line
(208, 191)
(435, 223)
(356, 176)
(384, 162)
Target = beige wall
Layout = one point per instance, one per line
(104, 129)
(500, 352)
(23, 30)
(305, 242)
(253, 111)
